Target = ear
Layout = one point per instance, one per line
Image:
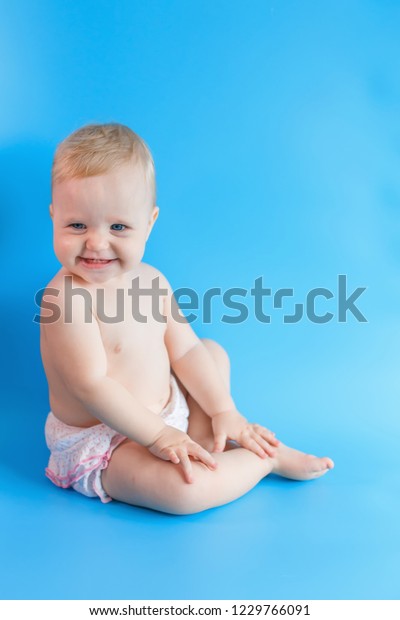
(154, 215)
(152, 219)
(51, 211)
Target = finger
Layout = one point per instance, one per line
(251, 444)
(172, 456)
(268, 449)
(266, 434)
(220, 442)
(186, 466)
(201, 454)
(263, 443)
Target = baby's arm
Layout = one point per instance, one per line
(195, 367)
(78, 356)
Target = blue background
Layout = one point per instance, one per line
(275, 129)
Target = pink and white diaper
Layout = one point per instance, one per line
(78, 455)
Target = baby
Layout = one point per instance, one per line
(141, 410)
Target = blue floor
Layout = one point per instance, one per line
(275, 128)
(334, 538)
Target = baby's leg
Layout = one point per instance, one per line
(137, 477)
(288, 462)
(200, 429)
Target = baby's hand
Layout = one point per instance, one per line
(232, 425)
(176, 446)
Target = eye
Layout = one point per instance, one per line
(118, 227)
(77, 226)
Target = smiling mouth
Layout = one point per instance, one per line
(96, 261)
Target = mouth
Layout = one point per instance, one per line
(96, 263)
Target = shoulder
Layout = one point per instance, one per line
(52, 286)
(52, 293)
(58, 301)
(150, 273)
(63, 282)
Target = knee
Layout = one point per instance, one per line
(218, 352)
(190, 498)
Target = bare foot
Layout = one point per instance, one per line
(297, 465)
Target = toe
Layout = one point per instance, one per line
(329, 463)
(315, 464)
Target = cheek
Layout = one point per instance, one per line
(66, 245)
(135, 247)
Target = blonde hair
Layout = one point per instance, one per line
(97, 148)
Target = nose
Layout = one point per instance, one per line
(97, 241)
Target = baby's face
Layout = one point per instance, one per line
(101, 223)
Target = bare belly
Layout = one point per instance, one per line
(70, 411)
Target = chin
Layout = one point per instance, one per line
(97, 278)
